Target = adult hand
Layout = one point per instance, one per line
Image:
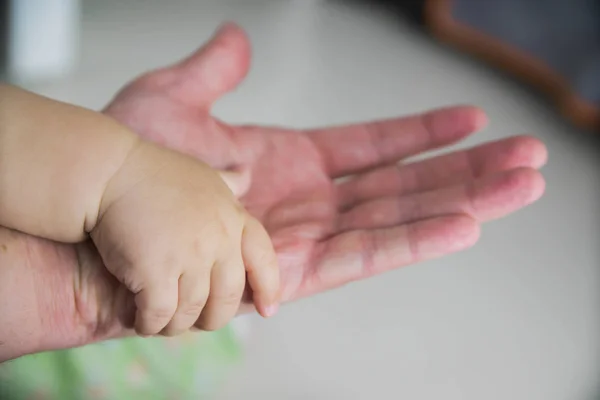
(326, 233)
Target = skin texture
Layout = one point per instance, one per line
(173, 233)
(56, 161)
(326, 234)
(164, 223)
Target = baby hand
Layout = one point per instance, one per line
(172, 232)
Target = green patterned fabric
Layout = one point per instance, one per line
(191, 366)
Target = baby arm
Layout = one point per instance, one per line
(55, 163)
(165, 225)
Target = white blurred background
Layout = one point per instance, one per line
(517, 317)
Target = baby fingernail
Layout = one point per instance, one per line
(271, 310)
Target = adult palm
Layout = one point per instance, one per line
(327, 231)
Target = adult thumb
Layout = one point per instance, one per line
(215, 69)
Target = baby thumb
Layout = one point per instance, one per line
(238, 181)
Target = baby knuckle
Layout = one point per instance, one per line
(160, 312)
(231, 221)
(232, 284)
(143, 273)
(229, 297)
(219, 227)
(212, 324)
(266, 259)
(171, 331)
(192, 309)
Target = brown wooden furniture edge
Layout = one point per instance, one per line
(441, 24)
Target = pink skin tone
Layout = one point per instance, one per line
(326, 233)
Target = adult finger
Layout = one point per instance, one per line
(212, 71)
(354, 148)
(488, 198)
(448, 169)
(359, 254)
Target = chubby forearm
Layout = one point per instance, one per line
(56, 160)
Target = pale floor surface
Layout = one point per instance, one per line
(517, 317)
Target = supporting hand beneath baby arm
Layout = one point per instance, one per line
(165, 224)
